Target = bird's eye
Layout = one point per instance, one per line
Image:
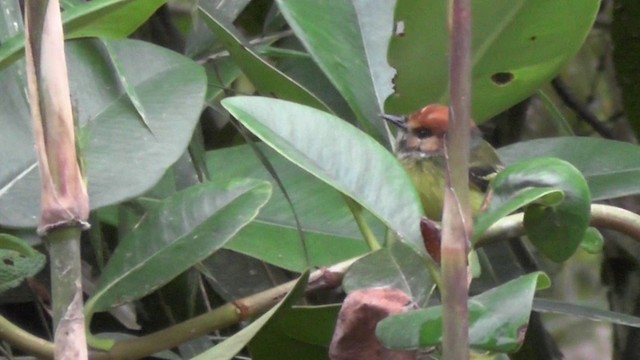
(423, 133)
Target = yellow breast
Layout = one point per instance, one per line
(428, 178)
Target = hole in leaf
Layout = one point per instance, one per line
(399, 29)
(8, 262)
(502, 78)
(533, 38)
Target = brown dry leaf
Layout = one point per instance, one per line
(354, 337)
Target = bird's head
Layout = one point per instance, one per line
(422, 133)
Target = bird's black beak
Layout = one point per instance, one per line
(399, 121)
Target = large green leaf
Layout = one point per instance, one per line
(228, 349)
(122, 156)
(330, 231)
(496, 319)
(98, 18)
(348, 40)
(556, 222)
(611, 168)
(338, 154)
(186, 228)
(517, 46)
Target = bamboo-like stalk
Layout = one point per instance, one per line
(456, 219)
(64, 199)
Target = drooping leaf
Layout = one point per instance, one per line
(496, 319)
(517, 46)
(183, 230)
(554, 224)
(228, 349)
(610, 167)
(121, 157)
(338, 154)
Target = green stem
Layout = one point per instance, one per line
(365, 230)
(64, 251)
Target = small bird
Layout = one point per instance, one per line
(420, 148)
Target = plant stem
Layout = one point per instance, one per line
(363, 226)
(456, 218)
(64, 200)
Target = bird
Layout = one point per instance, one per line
(420, 149)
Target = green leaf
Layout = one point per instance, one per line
(267, 79)
(610, 167)
(517, 46)
(348, 40)
(593, 241)
(587, 312)
(129, 90)
(501, 207)
(18, 261)
(331, 234)
(122, 158)
(296, 333)
(228, 349)
(395, 266)
(555, 225)
(183, 230)
(338, 154)
(98, 18)
(496, 319)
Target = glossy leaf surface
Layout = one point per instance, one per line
(338, 154)
(554, 224)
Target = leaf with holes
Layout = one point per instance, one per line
(517, 46)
